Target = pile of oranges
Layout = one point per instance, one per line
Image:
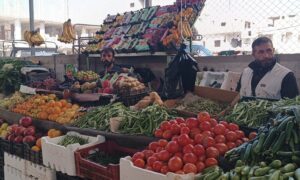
(48, 107)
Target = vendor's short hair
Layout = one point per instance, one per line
(108, 50)
(261, 40)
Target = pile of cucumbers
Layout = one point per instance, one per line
(261, 171)
(279, 141)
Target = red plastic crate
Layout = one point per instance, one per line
(94, 171)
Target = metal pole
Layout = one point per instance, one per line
(31, 17)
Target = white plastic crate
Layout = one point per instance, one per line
(38, 172)
(231, 80)
(209, 78)
(130, 172)
(15, 162)
(11, 173)
(62, 158)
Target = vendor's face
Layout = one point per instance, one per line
(107, 57)
(263, 52)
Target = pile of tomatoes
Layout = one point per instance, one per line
(189, 145)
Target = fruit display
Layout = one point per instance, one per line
(86, 87)
(33, 38)
(135, 25)
(16, 98)
(189, 145)
(47, 107)
(89, 76)
(48, 84)
(68, 35)
(3, 129)
(128, 85)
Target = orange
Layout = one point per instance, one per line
(57, 133)
(56, 110)
(58, 104)
(63, 102)
(39, 143)
(69, 105)
(50, 132)
(36, 148)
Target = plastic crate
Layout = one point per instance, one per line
(15, 162)
(33, 156)
(129, 172)
(86, 168)
(6, 146)
(12, 173)
(38, 172)
(62, 158)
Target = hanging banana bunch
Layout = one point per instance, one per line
(33, 38)
(68, 35)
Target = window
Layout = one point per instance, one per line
(131, 5)
(247, 25)
(217, 43)
(2, 33)
(223, 23)
(249, 33)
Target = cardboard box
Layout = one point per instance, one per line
(214, 94)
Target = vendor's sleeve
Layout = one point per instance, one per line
(289, 87)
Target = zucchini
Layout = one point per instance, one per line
(260, 143)
(245, 171)
(270, 138)
(275, 175)
(276, 164)
(259, 178)
(291, 167)
(247, 152)
(279, 142)
(213, 175)
(288, 130)
(295, 136)
(261, 171)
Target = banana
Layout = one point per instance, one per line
(68, 34)
(70, 29)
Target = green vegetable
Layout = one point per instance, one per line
(276, 164)
(289, 168)
(72, 139)
(261, 171)
(275, 175)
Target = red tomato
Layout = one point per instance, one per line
(224, 123)
(172, 147)
(252, 135)
(192, 123)
(200, 166)
(198, 138)
(188, 149)
(175, 129)
(205, 126)
(164, 169)
(185, 130)
(148, 153)
(138, 155)
(151, 160)
(238, 142)
(182, 125)
(219, 129)
(210, 162)
(165, 125)
(199, 150)
(158, 149)
(240, 134)
(189, 168)
(183, 139)
(220, 139)
(179, 154)
(158, 133)
(207, 134)
(233, 127)
(180, 120)
(213, 122)
(203, 116)
(212, 152)
(231, 136)
(231, 145)
(157, 165)
(173, 121)
(162, 142)
(190, 158)
(164, 155)
(153, 145)
(175, 164)
(222, 148)
(167, 134)
(194, 131)
(175, 138)
(202, 158)
(208, 142)
(139, 163)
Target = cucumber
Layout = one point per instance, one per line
(245, 171)
(295, 136)
(270, 138)
(261, 171)
(272, 171)
(263, 164)
(279, 142)
(276, 164)
(287, 175)
(291, 167)
(210, 169)
(212, 176)
(247, 152)
(275, 175)
(288, 130)
(239, 163)
(238, 170)
(259, 178)
(251, 173)
(297, 174)
(260, 143)
(282, 125)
